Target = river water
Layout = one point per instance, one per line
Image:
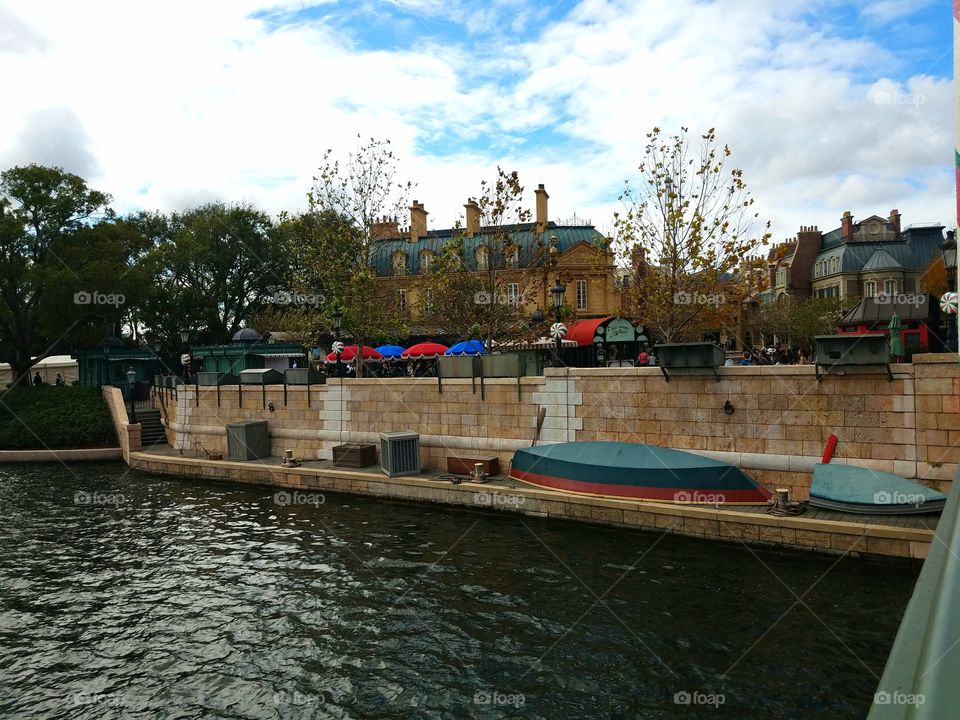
(125, 595)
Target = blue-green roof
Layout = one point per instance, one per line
(523, 235)
(916, 248)
(882, 260)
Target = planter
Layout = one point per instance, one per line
(355, 455)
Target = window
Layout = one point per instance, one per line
(512, 253)
(428, 301)
(399, 263)
(889, 287)
(426, 258)
(581, 294)
(513, 293)
(402, 300)
(870, 288)
(835, 265)
(483, 258)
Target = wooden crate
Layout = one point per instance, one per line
(464, 465)
(355, 455)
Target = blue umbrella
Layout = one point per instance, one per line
(467, 347)
(390, 351)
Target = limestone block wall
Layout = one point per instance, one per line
(127, 433)
(781, 420)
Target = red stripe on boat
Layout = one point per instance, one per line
(755, 496)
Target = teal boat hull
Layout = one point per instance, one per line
(870, 492)
(637, 472)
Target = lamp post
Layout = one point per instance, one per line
(157, 345)
(558, 291)
(336, 321)
(131, 379)
(601, 353)
(185, 357)
(949, 252)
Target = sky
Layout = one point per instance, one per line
(826, 106)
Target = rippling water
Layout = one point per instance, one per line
(124, 595)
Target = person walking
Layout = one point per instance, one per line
(59, 381)
(643, 358)
(37, 380)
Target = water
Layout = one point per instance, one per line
(161, 598)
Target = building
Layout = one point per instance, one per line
(872, 257)
(537, 254)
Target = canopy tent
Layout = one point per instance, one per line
(350, 353)
(424, 351)
(467, 347)
(390, 351)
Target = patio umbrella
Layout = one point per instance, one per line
(350, 352)
(467, 347)
(896, 347)
(390, 351)
(424, 351)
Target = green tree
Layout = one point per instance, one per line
(213, 268)
(66, 267)
(686, 229)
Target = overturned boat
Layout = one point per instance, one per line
(860, 490)
(637, 472)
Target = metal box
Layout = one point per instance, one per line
(216, 378)
(355, 455)
(260, 376)
(837, 351)
(457, 366)
(303, 376)
(400, 453)
(506, 365)
(700, 356)
(248, 440)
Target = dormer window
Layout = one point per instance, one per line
(483, 258)
(869, 288)
(426, 260)
(512, 254)
(399, 263)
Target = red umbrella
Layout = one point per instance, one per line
(350, 352)
(424, 351)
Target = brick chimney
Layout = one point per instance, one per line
(809, 242)
(542, 198)
(846, 226)
(384, 228)
(473, 217)
(418, 221)
(894, 220)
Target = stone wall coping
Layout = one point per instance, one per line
(61, 455)
(935, 358)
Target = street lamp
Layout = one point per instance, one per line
(131, 379)
(949, 252)
(336, 321)
(185, 357)
(185, 335)
(558, 292)
(601, 353)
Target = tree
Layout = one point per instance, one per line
(66, 267)
(686, 230)
(797, 322)
(359, 192)
(213, 268)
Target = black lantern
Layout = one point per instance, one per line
(131, 379)
(185, 335)
(558, 291)
(336, 322)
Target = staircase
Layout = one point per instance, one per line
(151, 428)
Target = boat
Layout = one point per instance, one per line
(852, 489)
(637, 472)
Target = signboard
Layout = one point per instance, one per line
(620, 330)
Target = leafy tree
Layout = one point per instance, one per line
(359, 192)
(797, 322)
(213, 268)
(685, 232)
(66, 267)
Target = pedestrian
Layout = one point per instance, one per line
(37, 380)
(643, 358)
(59, 381)
(652, 360)
(747, 358)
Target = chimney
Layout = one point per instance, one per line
(542, 198)
(473, 217)
(772, 274)
(418, 221)
(384, 228)
(846, 226)
(894, 220)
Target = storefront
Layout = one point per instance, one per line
(609, 342)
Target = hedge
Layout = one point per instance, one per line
(47, 416)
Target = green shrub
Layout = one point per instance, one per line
(47, 416)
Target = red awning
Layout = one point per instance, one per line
(350, 352)
(582, 331)
(424, 350)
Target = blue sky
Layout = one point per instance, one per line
(827, 106)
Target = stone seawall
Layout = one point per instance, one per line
(782, 416)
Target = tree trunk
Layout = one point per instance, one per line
(21, 372)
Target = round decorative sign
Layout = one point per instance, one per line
(338, 347)
(558, 331)
(185, 359)
(949, 302)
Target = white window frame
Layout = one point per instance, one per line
(582, 296)
(426, 260)
(482, 258)
(513, 293)
(890, 286)
(869, 288)
(428, 301)
(399, 263)
(401, 299)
